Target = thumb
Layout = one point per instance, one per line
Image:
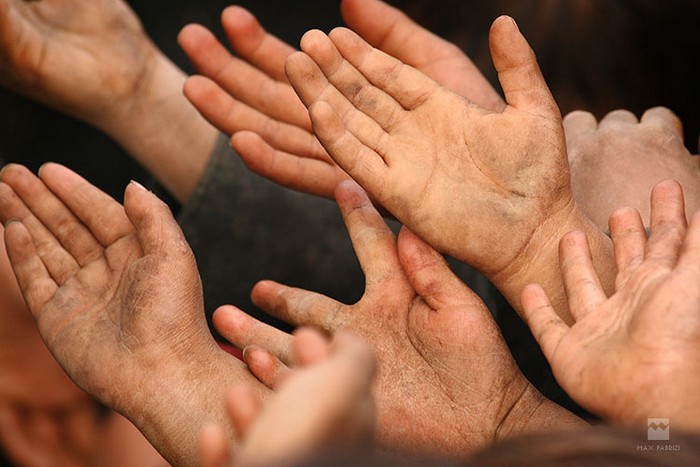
(157, 230)
(518, 72)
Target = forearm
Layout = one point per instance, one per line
(161, 130)
(539, 262)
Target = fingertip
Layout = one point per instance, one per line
(349, 194)
(239, 18)
(312, 39)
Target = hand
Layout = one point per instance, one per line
(446, 382)
(81, 57)
(615, 163)
(491, 189)
(117, 300)
(633, 354)
(93, 60)
(324, 406)
(250, 98)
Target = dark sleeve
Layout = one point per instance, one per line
(244, 228)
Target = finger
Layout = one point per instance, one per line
(362, 163)
(407, 86)
(373, 241)
(546, 326)
(429, 274)
(230, 115)
(214, 450)
(662, 117)
(255, 45)
(82, 428)
(668, 223)
(518, 72)
(581, 281)
(363, 95)
(102, 215)
(242, 330)
(690, 254)
(310, 346)
(313, 176)
(157, 230)
(38, 201)
(618, 117)
(59, 263)
(314, 89)
(577, 126)
(34, 280)
(296, 306)
(265, 366)
(243, 407)
(629, 241)
(240, 79)
(21, 448)
(389, 29)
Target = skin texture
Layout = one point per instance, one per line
(446, 381)
(632, 354)
(88, 269)
(438, 162)
(324, 405)
(92, 59)
(249, 96)
(642, 151)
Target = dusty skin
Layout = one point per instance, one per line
(116, 296)
(489, 188)
(446, 381)
(249, 97)
(633, 354)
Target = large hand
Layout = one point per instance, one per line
(634, 354)
(616, 162)
(489, 188)
(250, 98)
(324, 406)
(117, 300)
(446, 382)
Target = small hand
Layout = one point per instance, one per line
(616, 162)
(633, 354)
(446, 382)
(325, 405)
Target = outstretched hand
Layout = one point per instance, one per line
(489, 188)
(117, 299)
(81, 57)
(326, 405)
(616, 162)
(634, 354)
(250, 98)
(446, 381)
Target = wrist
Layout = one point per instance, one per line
(538, 262)
(534, 413)
(161, 130)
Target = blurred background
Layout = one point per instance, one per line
(597, 55)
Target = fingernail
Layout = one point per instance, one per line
(138, 185)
